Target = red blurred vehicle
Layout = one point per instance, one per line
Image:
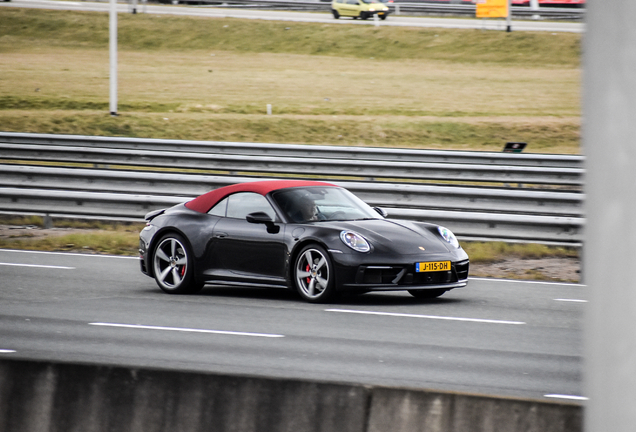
(548, 3)
(575, 3)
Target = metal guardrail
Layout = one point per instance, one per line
(467, 225)
(474, 213)
(298, 166)
(431, 197)
(300, 150)
(404, 7)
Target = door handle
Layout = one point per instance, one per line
(220, 235)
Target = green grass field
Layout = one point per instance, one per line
(211, 79)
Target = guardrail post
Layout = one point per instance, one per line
(112, 42)
(534, 5)
(397, 9)
(509, 17)
(48, 221)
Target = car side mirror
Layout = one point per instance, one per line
(259, 217)
(263, 218)
(381, 211)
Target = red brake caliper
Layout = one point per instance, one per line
(308, 270)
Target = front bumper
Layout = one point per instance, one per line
(379, 13)
(404, 277)
(398, 274)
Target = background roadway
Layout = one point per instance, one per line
(316, 17)
(493, 337)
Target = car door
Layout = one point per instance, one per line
(344, 8)
(354, 7)
(244, 251)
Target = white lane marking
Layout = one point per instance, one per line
(403, 315)
(37, 266)
(571, 300)
(570, 397)
(527, 282)
(70, 254)
(6, 351)
(191, 330)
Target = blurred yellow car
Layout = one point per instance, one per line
(362, 9)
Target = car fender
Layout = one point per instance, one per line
(309, 238)
(158, 234)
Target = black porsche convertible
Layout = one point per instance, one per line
(313, 237)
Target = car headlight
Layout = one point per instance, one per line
(355, 241)
(448, 236)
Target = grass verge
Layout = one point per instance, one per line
(28, 233)
(111, 242)
(489, 252)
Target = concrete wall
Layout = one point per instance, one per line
(49, 397)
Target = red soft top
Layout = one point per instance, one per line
(205, 202)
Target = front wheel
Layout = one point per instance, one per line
(313, 274)
(335, 13)
(382, 17)
(172, 265)
(427, 294)
(363, 16)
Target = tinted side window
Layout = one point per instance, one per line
(243, 203)
(220, 208)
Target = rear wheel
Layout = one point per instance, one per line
(172, 265)
(335, 13)
(427, 294)
(313, 274)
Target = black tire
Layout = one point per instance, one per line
(363, 16)
(382, 17)
(314, 276)
(427, 294)
(335, 13)
(172, 266)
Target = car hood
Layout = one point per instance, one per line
(375, 6)
(397, 236)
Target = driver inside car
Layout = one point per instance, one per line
(307, 211)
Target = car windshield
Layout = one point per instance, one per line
(319, 203)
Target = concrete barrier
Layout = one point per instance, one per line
(400, 410)
(42, 396)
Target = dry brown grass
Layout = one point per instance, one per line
(465, 90)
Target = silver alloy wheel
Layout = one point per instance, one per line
(313, 273)
(170, 264)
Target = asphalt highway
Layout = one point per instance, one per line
(316, 17)
(493, 337)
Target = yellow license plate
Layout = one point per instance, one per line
(432, 266)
